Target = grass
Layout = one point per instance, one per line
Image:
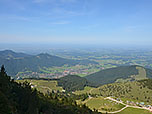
(87, 89)
(140, 76)
(129, 90)
(102, 105)
(142, 73)
(134, 111)
(44, 85)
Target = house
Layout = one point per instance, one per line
(142, 103)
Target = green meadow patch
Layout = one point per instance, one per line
(101, 104)
(134, 111)
(43, 86)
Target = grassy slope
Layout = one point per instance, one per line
(133, 91)
(134, 111)
(130, 90)
(102, 105)
(141, 74)
(44, 85)
(87, 89)
(69, 83)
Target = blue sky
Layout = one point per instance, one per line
(108, 22)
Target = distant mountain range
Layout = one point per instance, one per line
(11, 54)
(18, 62)
(120, 74)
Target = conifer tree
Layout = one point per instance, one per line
(3, 70)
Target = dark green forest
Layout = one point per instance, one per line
(73, 83)
(112, 74)
(17, 98)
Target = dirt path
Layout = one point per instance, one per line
(126, 106)
(87, 100)
(91, 90)
(46, 87)
(118, 110)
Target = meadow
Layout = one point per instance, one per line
(101, 104)
(43, 86)
(134, 111)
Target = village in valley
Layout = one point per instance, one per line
(57, 72)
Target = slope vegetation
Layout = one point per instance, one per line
(137, 91)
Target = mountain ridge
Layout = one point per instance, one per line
(10, 53)
(19, 62)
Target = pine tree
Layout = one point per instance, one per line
(3, 70)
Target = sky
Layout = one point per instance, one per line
(92, 22)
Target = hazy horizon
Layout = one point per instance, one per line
(47, 48)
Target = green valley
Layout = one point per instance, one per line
(107, 98)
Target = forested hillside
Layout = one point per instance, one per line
(122, 73)
(17, 98)
(73, 83)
